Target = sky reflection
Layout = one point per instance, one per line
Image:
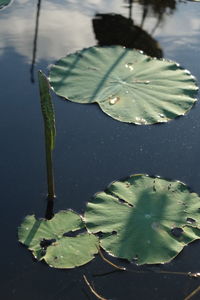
(65, 26)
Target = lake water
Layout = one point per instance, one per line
(92, 149)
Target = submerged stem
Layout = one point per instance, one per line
(92, 289)
(110, 263)
(193, 293)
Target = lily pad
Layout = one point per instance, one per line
(48, 240)
(145, 218)
(128, 85)
(4, 3)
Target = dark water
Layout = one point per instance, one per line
(91, 149)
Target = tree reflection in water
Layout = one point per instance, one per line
(158, 8)
(115, 29)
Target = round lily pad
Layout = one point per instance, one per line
(50, 240)
(145, 218)
(128, 85)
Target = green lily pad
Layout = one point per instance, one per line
(145, 218)
(4, 3)
(48, 240)
(128, 85)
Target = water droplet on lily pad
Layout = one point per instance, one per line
(114, 100)
(161, 115)
(130, 66)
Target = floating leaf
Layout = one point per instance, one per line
(128, 85)
(4, 3)
(145, 218)
(48, 240)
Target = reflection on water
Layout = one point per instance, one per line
(17, 25)
(35, 41)
(127, 34)
(159, 8)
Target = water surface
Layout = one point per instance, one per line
(92, 149)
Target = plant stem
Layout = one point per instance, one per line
(49, 167)
(92, 289)
(111, 263)
(193, 293)
(49, 130)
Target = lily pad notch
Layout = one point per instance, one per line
(128, 85)
(146, 219)
(50, 240)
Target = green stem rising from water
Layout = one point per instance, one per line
(49, 130)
